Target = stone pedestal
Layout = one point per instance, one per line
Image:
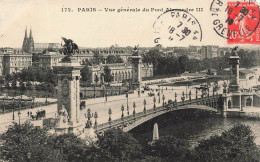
(136, 72)
(234, 74)
(69, 95)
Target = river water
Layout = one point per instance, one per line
(192, 126)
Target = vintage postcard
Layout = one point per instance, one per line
(125, 80)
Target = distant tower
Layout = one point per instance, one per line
(234, 71)
(136, 71)
(25, 41)
(31, 42)
(28, 43)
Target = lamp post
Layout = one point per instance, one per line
(89, 123)
(134, 105)
(144, 106)
(127, 107)
(13, 108)
(19, 112)
(154, 100)
(163, 98)
(175, 97)
(4, 105)
(122, 109)
(159, 97)
(46, 100)
(183, 97)
(196, 94)
(109, 112)
(33, 101)
(190, 95)
(96, 116)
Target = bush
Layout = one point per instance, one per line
(236, 144)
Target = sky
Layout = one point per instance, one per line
(100, 28)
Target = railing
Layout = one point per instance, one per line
(165, 108)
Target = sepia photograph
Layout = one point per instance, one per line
(129, 81)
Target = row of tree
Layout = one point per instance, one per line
(165, 64)
(28, 143)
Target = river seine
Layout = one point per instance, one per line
(193, 126)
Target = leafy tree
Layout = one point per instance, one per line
(85, 74)
(107, 74)
(27, 143)
(71, 147)
(96, 79)
(169, 147)
(111, 59)
(116, 145)
(97, 58)
(236, 144)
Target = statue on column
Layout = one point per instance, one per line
(234, 51)
(135, 51)
(69, 48)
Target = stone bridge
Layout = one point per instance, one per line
(129, 122)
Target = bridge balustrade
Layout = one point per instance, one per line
(122, 122)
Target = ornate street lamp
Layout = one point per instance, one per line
(163, 98)
(144, 106)
(190, 95)
(127, 107)
(33, 101)
(19, 115)
(96, 116)
(183, 97)
(4, 105)
(19, 112)
(122, 109)
(109, 112)
(154, 100)
(46, 101)
(89, 123)
(134, 105)
(13, 108)
(159, 97)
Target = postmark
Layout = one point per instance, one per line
(236, 21)
(176, 26)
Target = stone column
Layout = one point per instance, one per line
(69, 93)
(136, 71)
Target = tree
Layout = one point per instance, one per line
(107, 74)
(97, 58)
(96, 79)
(117, 145)
(236, 144)
(71, 147)
(169, 147)
(27, 143)
(85, 74)
(111, 59)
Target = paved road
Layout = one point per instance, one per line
(100, 106)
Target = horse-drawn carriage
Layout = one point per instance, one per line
(39, 114)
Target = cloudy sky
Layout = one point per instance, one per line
(96, 29)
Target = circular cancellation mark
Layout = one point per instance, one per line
(176, 26)
(234, 21)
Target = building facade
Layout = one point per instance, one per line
(209, 51)
(120, 72)
(13, 61)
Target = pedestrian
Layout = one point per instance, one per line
(28, 113)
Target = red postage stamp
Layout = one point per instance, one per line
(242, 23)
